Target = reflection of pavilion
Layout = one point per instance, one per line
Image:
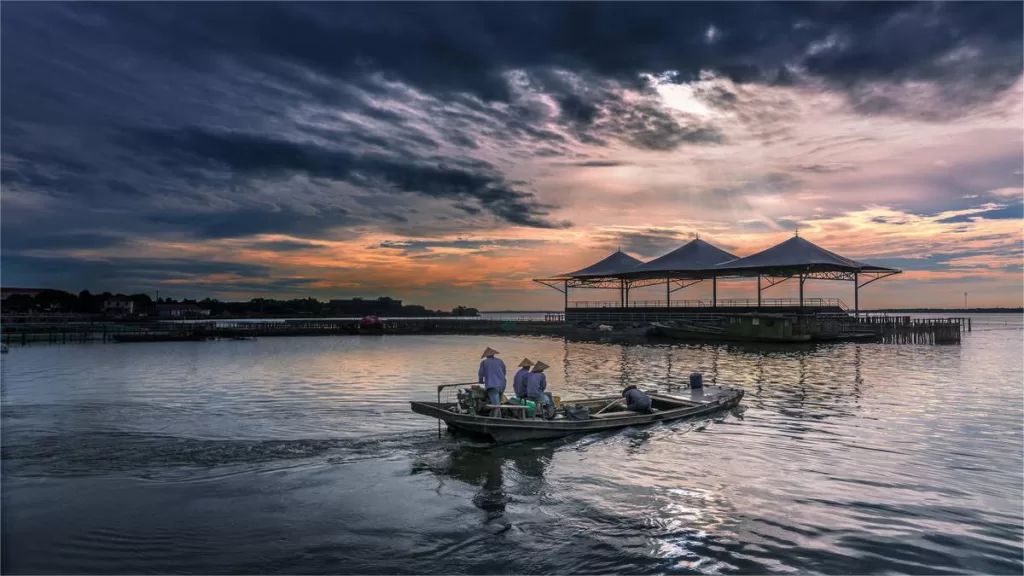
(816, 381)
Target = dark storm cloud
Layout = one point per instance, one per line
(16, 238)
(252, 221)
(646, 243)
(1008, 212)
(410, 247)
(153, 118)
(600, 164)
(826, 168)
(458, 47)
(284, 245)
(59, 271)
(262, 156)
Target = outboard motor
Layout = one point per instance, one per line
(473, 400)
(696, 380)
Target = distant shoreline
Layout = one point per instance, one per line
(905, 310)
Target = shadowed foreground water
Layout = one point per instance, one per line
(300, 455)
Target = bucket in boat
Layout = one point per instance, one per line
(558, 401)
(696, 380)
(531, 406)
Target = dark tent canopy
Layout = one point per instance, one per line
(694, 256)
(617, 263)
(796, 253)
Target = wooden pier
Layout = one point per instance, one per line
(908, 330)
(880, 328)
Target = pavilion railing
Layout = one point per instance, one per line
(722, 303)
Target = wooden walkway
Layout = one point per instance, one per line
(883, 328)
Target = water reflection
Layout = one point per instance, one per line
(499, 472)
(849, 459)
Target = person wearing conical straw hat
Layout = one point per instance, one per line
(519, 380)
(492, 375)
(536, 385)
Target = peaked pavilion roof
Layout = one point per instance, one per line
(799, 252)
(695, 255)
(617, 263)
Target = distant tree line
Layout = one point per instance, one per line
(58, 301)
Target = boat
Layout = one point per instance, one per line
(602, 414)
(756, 327)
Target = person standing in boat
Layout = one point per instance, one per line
(492, 375)
(536, 385)
(636, 400)
(519, 380)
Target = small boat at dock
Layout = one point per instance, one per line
(600, 414)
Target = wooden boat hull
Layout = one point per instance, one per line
(504, 430)
(718, 334)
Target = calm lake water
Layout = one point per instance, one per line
(300, 455)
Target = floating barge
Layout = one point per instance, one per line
(737, 328)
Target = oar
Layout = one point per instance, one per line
(609, 405)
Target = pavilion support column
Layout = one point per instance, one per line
(668, 293)
(802, 292)
(627, 295)
(759, 292)
(856, 296)
(714, 291)
(566, 294)
(622, 293)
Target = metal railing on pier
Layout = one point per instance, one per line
(722, 303)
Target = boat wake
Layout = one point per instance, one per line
(148, 455)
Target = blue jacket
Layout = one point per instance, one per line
(536, 382)
(492, 371)
(637, 400)
(519, 382)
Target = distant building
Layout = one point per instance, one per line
(122, 305)
(180, 311)
(382, 306)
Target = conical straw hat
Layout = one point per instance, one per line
(539, 366)
(525, 363)
(489, 352)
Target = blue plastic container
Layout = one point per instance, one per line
(696, 380)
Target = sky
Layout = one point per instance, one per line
(448, 153)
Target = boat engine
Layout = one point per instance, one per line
(472, 400)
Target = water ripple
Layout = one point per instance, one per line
(299, 455)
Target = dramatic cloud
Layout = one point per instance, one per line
(441, 148)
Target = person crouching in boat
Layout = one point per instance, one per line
(492, 375)
(536, 383)
(636, 400)
(519, 380)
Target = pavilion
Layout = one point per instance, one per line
(698, 261)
